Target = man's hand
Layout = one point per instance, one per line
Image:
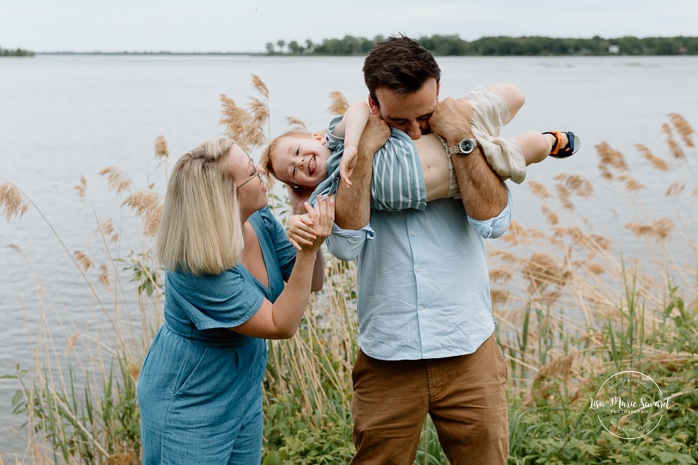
(451, 120)
(375, 135)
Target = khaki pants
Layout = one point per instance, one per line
(464, 396)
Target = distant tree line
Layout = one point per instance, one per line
(15, 53)
(452, 45)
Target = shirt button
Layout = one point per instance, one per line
(416, 270)
(421, 307)
(413, 233)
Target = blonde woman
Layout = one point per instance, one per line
(227, 259)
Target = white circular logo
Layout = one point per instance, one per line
(629, 405)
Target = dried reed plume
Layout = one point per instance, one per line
(542, 269)
(116, 179)
(81, 186)
(631, 184)
(659, 229)
(609, 157)
(657, 162)
(538, 189)
(595, 268)
(148, 206)
(674, 147)
(499, 296)
(684, 129)
(500, 274)
(13, 201)
(559, 366)
(83, 260)
(601, 242)
(259, 86)
(563, 196)
(103, 276)
(161, 150)
(339, 104)
(550, 216)
(296, 124)
(546, 383)
(70, 345)
(246, 126)
(106, 228)
(675, 189)
(575, 184)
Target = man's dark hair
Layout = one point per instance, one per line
(400, 65)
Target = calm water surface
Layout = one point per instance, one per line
(64, 117)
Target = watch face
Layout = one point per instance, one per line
(466, 146)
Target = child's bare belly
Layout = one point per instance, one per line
(432, 155)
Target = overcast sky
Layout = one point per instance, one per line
(248, 25)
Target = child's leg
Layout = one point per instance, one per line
(537, 146)
(512, 96)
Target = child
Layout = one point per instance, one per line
(407, 173)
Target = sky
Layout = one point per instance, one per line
(248, 25)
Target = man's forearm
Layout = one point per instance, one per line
(484, 195)
(353, 204)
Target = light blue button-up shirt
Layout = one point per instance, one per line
(423, 282)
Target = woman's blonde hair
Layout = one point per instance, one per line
(201, 226)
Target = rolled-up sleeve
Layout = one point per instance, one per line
(494, 227)
(347, 244)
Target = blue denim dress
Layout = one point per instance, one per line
(199, 390)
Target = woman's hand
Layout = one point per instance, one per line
(307, 232)
(299, 230)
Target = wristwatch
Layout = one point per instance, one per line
(464, 147)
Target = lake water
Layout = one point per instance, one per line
(62, 117)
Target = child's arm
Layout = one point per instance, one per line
(351, 127)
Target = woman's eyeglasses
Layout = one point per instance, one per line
(256, 173)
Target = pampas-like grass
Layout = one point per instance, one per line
(248, 127)
(675, 149)
(657, 162)
(658, 229)
(338, 104)
(684, 129)
(83, 260)
(160, 148)
(12, 200)
(575, 184)
(148, 205)
(296, 124)
(538, 189)
(117, 180)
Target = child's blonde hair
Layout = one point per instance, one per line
(265, 159)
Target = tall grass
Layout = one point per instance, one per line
(572, 309)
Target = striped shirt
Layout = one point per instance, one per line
(398, 181)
